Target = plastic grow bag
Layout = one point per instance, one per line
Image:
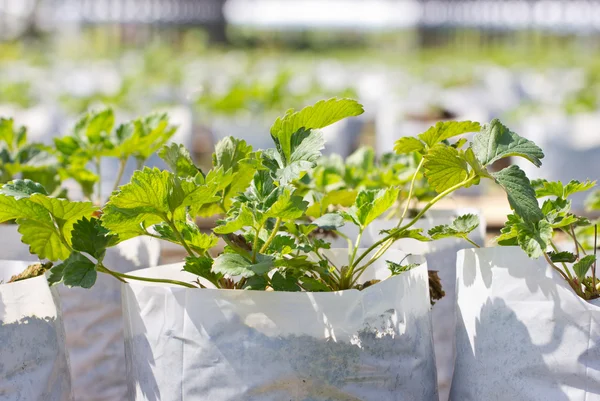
(221, 345)
(33, 359)
(522, 333)
(94, 324)
(441, 257)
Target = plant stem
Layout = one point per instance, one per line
(122, 164)
(272, 236)
(346, 238)
(255, 244)
(98, 163)
(389, 239)
(410, 192)
(595, 290)
(470, 241)
(121, 276)
(356, 245)
(180, 237)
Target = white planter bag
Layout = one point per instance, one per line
(441, 257)
(221, 345)
(94, 324)
(522, 333)
(33, 360)
(11, 247)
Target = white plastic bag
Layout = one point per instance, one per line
(94, 324)
(221, 345)
(441, 257)
(33, 360)
(522, 333)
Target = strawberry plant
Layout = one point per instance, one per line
(95, 137)
(537, 235)
(265, 226)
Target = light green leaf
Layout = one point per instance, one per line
(148, 192)
(575, 186)
(286, 207)
(447, 129)
(583, 266)
(99, 124)
(179, 160)
(234, 223)
(20, 189)
(495, 142)
(444, 168)
(340, 198)
(42, 238)
(329, 221)
(371, 204)
(229, 152)
(408, 144)
(398, 268)
(547, 188)
(320, 115)
(234, 265)
(521, 195)
(461, 227)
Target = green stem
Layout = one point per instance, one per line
(389, 239)
(272, 236)
(410, 192)
(476, 245)
(122, 164)
(255, 244)
(180, 237)
(356, 245)
(98, 163)
(122, 276)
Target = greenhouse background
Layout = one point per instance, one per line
(73, 71)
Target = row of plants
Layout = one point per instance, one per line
(280, 209)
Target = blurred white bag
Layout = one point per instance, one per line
(221, 345)
(94, 324)
(522, 333)
(33, 360)
(441, 257)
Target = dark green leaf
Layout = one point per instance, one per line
(581, 268)
(521, 195)
(79, 271)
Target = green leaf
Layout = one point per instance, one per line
(202, 267)
(235, 265)
(56, 274)
(593, 201)
(444, 168)
(229, 152)
(415, 233)
(286, 280)
(575, 186)
(495, 142)
(447, 129)
(340, 197)
(91, 237)
(320, 115)
(398, 268)
(534, 238)
(43, 239)
(330, 221)
(79, 271)
(286, 207)
(179, 160)
(20, 189)
(408, 144)
(547, 188)
(312, 285)
(581, 268)
(521, 195)
(562, 257)
(236, 222)
(461, 227)
(99, 124)
(371, 204)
